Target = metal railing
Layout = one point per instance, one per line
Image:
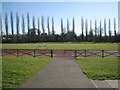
(67, 53)
(27, 52)
(93, 53)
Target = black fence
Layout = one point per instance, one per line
(53, 53)
(93, 53)
(27, 52)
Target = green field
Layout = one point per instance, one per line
(15, 70)
(99, 68)
(67, 45)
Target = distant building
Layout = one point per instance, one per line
(31, 31)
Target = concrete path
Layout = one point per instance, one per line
(59, 73)
(65, 73)
(106, 84)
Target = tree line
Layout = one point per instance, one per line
(34, 34)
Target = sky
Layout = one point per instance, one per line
(119, 17)
(65, 10)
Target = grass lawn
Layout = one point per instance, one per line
(99, 68)
(67, 45)
(15, 70)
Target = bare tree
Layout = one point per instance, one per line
(38, 30)
(86, 29)
(48, 26)
(6, 26)
(17, 25)
(82, 27)
(105, 29)
(28, 26)
(23, 29)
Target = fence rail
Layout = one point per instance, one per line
(94, 53)
(27, 52)
(67, 53)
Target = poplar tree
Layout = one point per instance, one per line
(109, 30)
(105, 30)
(95, 30)
(73, 29)
(68, 30)
(23, 29)
(43, 28)
(115, 35)
(82, 27)
(1, 32)
(38, 30)
(86, 29)
(6, 26)
(100, 32)
(34, 35)
(28, 27)
(62, 27)
(73, 26)
(91, 32)
(12, 30)
(62, 32)
(48, 26)
(53, 31)
(17, 26)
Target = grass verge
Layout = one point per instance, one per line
(15, 70)
(66, 45)
(100, 68)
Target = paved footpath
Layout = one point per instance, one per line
(59, 73)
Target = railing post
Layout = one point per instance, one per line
(102, 53)
(119, 53)
(85, 53)
(17, 52)
(75, 53)
(2, 52)
(34, 52)
(64, 52)
(51, 53)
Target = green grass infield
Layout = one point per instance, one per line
(16, 70)
(98, 68)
